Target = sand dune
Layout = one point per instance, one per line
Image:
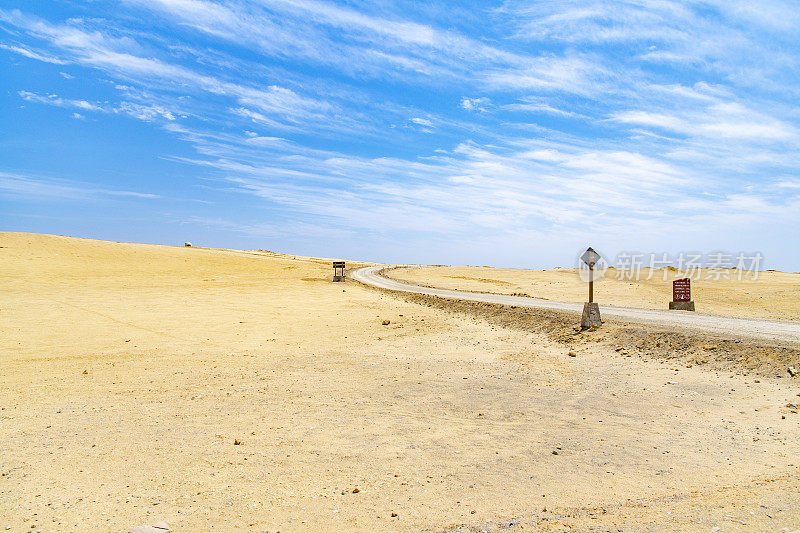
(128, 371)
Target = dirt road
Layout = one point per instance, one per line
(771, 330)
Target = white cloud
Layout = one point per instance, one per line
(31, 54)
(55, 100)
(571, 74)
(721, 119)
(541, 107)
(99, 51)
(658, 120)
(35, 186)
(147, 113)
(475, 104)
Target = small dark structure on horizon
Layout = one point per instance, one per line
(338, 271)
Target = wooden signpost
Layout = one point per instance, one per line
(338, 271)
(682, 295)
(591, 311)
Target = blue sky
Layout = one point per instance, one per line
(502, 133)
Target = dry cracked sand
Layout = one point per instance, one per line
(129, 371)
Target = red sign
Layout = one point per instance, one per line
(681, 290)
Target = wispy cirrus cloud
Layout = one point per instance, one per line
(552, 186)
(722, 38)
(147, 113)
(114, 55)
(36, 186)
(31, 54)
(53, 99)
(375, 46)
(727, 121)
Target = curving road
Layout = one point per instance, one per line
(772, 330)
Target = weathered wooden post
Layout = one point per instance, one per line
(338, 271)
(591, 311)
(682, 295)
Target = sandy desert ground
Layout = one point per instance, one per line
(767, 295)
(128, 372)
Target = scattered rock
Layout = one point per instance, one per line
(572, 354)
(709, 347)
(555, 452)
(237, 442)
(85, 372)
(356, 491)
(792, 371)
(386, 322)
(394, 515)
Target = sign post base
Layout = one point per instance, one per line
(682, 306)
(591, 316)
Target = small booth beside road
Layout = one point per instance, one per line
(338, 271)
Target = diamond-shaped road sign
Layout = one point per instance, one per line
(590, 257)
